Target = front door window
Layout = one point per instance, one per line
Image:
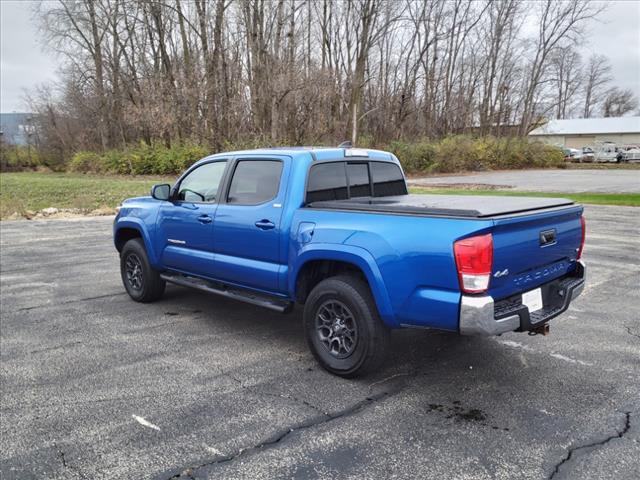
(201, 185)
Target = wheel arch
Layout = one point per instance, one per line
(318, 262)
(129, 228)
(124, 234)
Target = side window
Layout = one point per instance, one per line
(255, 182)
(327, 181)
(358, 174)
(201, 185)
(387, 179)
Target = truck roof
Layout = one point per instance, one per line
(319, 153)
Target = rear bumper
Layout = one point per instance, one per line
(483, 316)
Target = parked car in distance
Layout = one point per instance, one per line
(335, 230)
(572, 154)
(587, 154)
(606, 152)
(631, 154)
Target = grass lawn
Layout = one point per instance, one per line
(629, 199)
(33, 191)
(24, 191)
(603, 166)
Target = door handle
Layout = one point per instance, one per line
(204, 219)
(265, 224)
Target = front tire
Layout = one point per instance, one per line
(142, 282)
(343, 328)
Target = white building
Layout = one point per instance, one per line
(581, 132)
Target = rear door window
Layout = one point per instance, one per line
(254, 182)
(387, 179)
(327, 181)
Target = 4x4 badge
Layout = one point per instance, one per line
(502, 273)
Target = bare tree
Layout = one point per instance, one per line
(73, 27)
(558, 21)
(298, 71)
(499, 34)
(619, 102)
(597, 76)
(566, 78)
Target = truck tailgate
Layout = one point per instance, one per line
(532, 249)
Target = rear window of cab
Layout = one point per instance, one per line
(344, 180)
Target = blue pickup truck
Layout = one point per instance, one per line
(335, 230)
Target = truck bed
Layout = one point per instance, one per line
(466, 206)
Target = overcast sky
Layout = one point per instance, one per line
(24, 64)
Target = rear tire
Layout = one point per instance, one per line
(343, 328)
(142, 282)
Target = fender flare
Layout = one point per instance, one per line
(350, 254)
(137, 224)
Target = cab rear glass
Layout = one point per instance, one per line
(344, 180)
(387, 180)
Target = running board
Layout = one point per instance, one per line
(281, 306)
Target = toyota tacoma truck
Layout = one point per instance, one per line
(335, 230)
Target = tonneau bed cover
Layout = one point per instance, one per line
(476, 206)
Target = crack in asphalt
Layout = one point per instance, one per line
(254, 389)
(570, 454)
(34, 307)
(57, 347)
(391, 377)
(151, 327)
(61, 263)
(279, 436)
(61, 455)
(630, 332)
(283, 434)
(64, 462)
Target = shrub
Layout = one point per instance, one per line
(87, 162)
(460, 153)
(141, 159)
(116, 161)
(188, 155)
(416, 157)
(17, 157)
(160, 160)
(452, 154)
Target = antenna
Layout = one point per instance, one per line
(346, 144)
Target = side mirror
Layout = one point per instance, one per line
(161, 191)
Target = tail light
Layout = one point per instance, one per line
(583, 225)
(474, 260)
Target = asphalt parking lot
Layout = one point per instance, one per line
(571, 181)
(96, 386)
